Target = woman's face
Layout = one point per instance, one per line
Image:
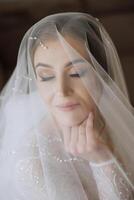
(59, 84)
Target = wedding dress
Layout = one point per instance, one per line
(34, 164)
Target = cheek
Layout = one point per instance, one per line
(85, 93)
(45, 93)
(84, 96)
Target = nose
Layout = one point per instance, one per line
(63, 87)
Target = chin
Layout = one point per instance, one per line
(71, 119)
(70, 122)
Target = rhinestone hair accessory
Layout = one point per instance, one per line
(40, 42)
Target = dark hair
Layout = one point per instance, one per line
(88, 28)
(97, 47)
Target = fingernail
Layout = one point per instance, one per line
(90, 115)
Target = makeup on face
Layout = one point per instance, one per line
(60, 83)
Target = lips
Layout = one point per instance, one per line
(68, 106)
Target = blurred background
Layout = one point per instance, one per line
(16, 17)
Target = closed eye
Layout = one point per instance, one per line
(46, 78)
(78, 74)
(74, 75)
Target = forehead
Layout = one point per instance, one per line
(57, 53)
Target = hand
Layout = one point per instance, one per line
(83, 141)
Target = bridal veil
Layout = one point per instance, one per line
(33, 162)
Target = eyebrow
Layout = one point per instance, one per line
(66, 65)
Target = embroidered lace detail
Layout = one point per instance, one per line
(111, 182)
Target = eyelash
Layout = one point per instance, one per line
(47, 79)
(72, 75)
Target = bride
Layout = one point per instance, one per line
(66, 119)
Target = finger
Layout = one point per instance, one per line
(90, 132)
(82, 138)
(66, 136)
(90, 125)
(74, 139)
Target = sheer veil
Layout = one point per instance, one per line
(33, 161)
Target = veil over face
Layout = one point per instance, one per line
(67, 67)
